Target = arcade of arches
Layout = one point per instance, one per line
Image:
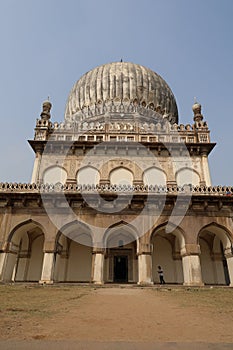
(73, 256)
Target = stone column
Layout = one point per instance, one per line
(47, 275)
(191, 265)
(48, 267)
(205, 168)
(179, 278)
(7, 263)
(229, 256)
(60, 269)
(98, 265)
(36, 168)
(145, 264)
(21, 267)
(5, 276)
(7, 255)
(218, 265)
(71, 176)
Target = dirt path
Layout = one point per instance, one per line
(86, 345)
(113, 314)
(110, 314)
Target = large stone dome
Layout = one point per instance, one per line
(123, 83)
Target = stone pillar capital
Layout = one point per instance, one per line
(145, 248)
(228, 252)
(190, 249)
(104, 182)
(9, 247)
(176, 256)
(49, 247)
(216, 256)
(98, 250)
(137, 182)
(4, 246)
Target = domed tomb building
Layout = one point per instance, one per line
(118, 188)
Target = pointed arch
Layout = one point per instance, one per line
(177, 231)
(54, 174)
(121, 243)
(26, 251)
(88, 175)
(214, 240)
(154, 176)
(166, 252)
(23, 224)
(186, 176)
(123, 229)
(221, 231)
(121, 175)
(73, 253)
(77, 231)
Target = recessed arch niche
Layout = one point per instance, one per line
(73, 253)
(121, 265)
(214, 242)
(154, 176)
(166, 252)
(187, 176)
(121, 176)
(55, 174)
(26, 255)
(88, 176)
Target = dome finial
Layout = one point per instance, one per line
(46, 108)
(197, 111)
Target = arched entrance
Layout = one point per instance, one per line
(25, 256)
(214, 243)
(166, 248)
(73, 254)
(121, 258)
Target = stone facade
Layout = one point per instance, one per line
(117, 189)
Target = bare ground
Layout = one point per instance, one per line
(129, 314)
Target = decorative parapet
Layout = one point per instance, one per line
(18, 187)
(125, 130)
(119, 120)
(76, 188)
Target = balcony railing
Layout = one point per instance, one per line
(141, 189)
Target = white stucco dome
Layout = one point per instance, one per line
(121, 82)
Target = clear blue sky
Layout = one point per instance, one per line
(47, 45)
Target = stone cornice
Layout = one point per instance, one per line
(209, 201)
(63, 147)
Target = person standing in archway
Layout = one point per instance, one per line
(160, 272)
